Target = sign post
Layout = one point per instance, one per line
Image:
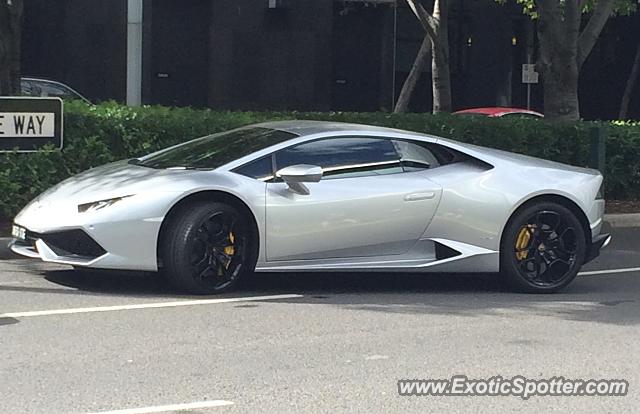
(529, 76)
(27, 124)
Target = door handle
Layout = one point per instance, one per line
(420, 196)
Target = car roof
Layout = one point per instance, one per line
(31, 78)
(305, 127)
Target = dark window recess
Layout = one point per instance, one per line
(70, 243)
(344, 157)
(261, 169)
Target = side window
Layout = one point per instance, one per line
(260, 169)
(344, 157)
(50, 89)
(416, 156)
(27, 88)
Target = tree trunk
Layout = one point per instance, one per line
(631, 83)
(414, 76)
(557, 62)
(563, 50)
(441, 76)
(561, 94)
(10, 37)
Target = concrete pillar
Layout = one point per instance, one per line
(134, 52)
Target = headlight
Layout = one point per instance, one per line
(99, 205)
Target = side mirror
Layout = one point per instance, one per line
(296, 175)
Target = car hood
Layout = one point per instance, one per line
(149, 187)
(116, 180)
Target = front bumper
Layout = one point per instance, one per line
(126, 245)
(599, 242)
(120, 237)
(73, 246)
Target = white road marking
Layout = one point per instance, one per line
(375, 357)
(145, 306)
(168, 408)
(604, 272)
(23, 282)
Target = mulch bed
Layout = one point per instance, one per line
(622, 206)
(5, 229)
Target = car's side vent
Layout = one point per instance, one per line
(445, 252)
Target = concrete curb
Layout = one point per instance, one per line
(614, 220)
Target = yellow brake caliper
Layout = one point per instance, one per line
(230, 250)
(522, 242)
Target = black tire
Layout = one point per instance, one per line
(207, 248)
(542, 248)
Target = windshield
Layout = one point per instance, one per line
(215, 150)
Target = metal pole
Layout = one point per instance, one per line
(529, 51)
(393, 70)
(597, 150)
(134, 52)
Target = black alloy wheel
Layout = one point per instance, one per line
(208, 248)
(543, 248)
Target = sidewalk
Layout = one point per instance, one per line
(614, 220)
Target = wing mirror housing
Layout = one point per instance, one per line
(296, 175)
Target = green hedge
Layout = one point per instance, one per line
(96, 135)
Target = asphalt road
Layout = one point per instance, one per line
(336, 343)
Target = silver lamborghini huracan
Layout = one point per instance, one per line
(320, 196)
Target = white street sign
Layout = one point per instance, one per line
(529, 74)
(27, 124)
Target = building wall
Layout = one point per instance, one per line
(78, 42)
(606, 70)
(176, 52)
(306, 55)
(262, 58)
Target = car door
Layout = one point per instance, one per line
(367, 203)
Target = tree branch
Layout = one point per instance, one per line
(591, 32)
(631, 83)
(429, 23)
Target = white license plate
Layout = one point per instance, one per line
(19, 232)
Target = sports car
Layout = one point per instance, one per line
(501, 112)
(296, 196)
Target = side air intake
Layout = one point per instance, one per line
(445, 252)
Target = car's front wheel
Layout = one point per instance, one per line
(543, 248)
(207, 248)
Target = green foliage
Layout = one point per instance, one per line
(95, 135)
(621, 7)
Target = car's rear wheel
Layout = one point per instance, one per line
(208, 247)
(542, 249)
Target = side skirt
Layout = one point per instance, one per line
(426, 256)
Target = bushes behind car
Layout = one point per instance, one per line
(95, 135)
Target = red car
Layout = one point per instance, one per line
(499, 112)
